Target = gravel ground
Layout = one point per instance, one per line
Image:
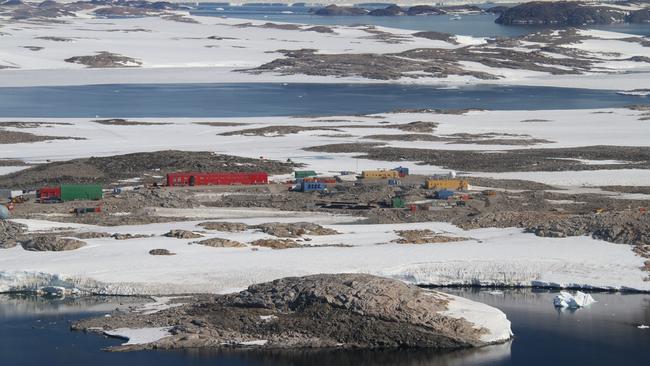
(111, 169)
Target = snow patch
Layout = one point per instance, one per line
(482, 316)
(160, 303)
(260, 342)
(139, 335)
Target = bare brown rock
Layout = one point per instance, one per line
(182, 234)
(118, 236)
(105, 60)
(294, 230)
(425, 236)
(337, 310)
(9, 233)
(160, 252)
(51, 243)
(220, 243)
(16, 137)
(276, 243)
(224, 226)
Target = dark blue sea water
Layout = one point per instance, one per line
(275, 99)
(479, 25)
(36, 332)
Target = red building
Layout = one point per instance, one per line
(48, 193)
(207, 179)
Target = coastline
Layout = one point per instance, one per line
(216, 75)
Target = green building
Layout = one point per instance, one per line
(304, 173)
(73, 192)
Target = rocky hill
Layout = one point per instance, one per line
(327, 310)
(394, 10)
(570, 13)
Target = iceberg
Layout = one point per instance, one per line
(579, 300)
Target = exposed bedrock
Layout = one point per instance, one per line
(327, 310)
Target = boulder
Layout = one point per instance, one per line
(276, 243)
(220, 243)
(9, 233)
(182, 234)
(294, 230)
(51, 243)
(224, 226)
(160, 252)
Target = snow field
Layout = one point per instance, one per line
(563, 128)
(173, 51)
(491, 257)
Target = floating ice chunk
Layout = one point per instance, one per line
(566, 300)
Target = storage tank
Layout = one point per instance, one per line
(4, 212)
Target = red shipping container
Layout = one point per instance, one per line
(205, 179)
(49, 193)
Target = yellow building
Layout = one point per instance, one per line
(379, 174)
(447, 183)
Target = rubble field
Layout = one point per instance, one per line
(515, 160)
(141, 167)
(536, 208)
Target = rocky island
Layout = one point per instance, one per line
(561, 13)
(318, 311)
(395, 10)
(571, 13)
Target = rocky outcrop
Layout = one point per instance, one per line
(9, 233)
(91, 235)
(51, 243)
(391, 11)
(220, 243)
(110, 169)
(224, 226)
(335, 10)
(424, 10)
(104, 60)
(425, 236)
(127, 236)
(394, 10)
(497, 9)
(616, 227)
(182, 234)
(438, 36)
(570, 13)
(294, 230)
(19, 137)
(276, 243)
(160, 252)
(338, 310)
(639, 16)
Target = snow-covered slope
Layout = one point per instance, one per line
(212, 49)
(490, 257)
(561, 128)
